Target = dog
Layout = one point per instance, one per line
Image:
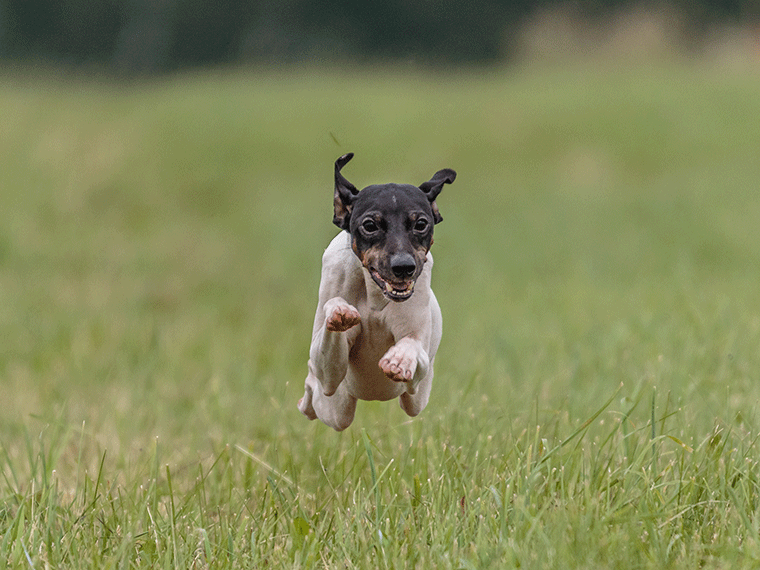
(378, 324)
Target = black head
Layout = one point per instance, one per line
(391, 227)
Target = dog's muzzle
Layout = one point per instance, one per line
(393, 291)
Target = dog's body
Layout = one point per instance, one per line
(378, 324)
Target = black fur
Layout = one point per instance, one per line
(391, 226)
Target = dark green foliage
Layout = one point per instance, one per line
(146, 36)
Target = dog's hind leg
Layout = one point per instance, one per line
(305, 405)
(336, 411)
(413, 404)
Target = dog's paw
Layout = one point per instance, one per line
(400, 362)
(340, 316)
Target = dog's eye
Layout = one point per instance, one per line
(369, 226)
(421, 225)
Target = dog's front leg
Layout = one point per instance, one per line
(331, 344)
(406, 361)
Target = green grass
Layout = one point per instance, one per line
(596, 393)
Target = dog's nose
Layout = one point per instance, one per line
(403, 265)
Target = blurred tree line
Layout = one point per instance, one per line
(152, 36)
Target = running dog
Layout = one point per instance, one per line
(378, 323)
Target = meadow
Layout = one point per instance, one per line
(596, 395)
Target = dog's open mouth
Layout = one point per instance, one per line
(394, 291)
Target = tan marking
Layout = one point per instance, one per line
(356, 251)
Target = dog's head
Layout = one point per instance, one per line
(391, 227)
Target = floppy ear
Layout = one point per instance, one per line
(433, 187)
(345, 194)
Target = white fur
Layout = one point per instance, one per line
(388, 354)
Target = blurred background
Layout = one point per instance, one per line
(166, 189)
(166, 195)
(157, 36)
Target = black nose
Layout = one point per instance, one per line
(403, 265)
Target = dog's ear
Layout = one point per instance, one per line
(345, 194)
(433, 187)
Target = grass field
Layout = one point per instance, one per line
(597, 387)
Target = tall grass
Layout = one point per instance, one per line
(596, 388)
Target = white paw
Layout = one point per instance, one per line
(400, 362)
(340, 316)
